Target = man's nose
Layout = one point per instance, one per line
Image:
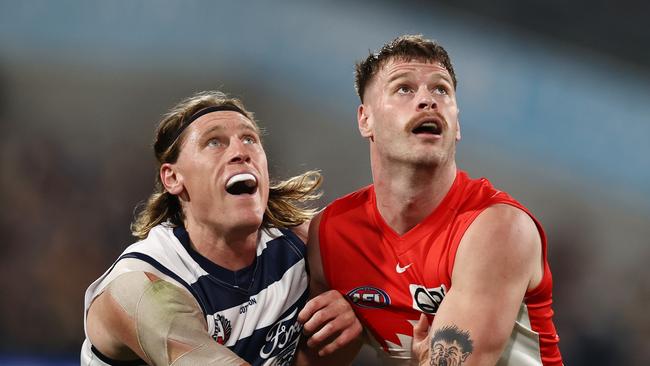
(425, 100)
(239, 153)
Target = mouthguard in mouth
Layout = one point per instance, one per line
(244, 183)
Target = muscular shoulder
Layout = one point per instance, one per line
(136, 313)
(110, 321)
(503, 228)
(504, 241)
(504, 216)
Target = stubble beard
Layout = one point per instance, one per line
(423, 159)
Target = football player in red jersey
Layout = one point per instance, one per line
(426, 243)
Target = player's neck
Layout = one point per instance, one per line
(406, 195)
(230, 249)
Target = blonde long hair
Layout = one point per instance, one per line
(286, 206)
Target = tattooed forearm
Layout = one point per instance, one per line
(450, 346)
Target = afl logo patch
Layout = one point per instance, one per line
(369, 297)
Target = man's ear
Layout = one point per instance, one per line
(171, 180)
(365, 126)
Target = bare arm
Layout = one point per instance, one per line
(140, 315)
(332, 329)
(498, 259)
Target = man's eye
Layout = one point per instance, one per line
(440, 90)
(214, 142)
(249, 140)
(403, 90)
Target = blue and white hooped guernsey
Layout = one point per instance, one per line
(252, 311)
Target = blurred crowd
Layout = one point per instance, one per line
(76, 160)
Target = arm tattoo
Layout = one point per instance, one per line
(450, 346)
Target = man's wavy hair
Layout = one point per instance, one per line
(286, 198)
(403, 48)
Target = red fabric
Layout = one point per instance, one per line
(359, 249)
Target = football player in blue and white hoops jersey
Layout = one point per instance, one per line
(219, 275)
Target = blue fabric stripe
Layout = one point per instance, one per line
(279, 255)
(236, 278)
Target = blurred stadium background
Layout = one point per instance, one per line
(555, 109)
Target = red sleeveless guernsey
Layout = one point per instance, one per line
(391, 279)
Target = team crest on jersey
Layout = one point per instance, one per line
(369, 297)
(427, 300)
(222, 329)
